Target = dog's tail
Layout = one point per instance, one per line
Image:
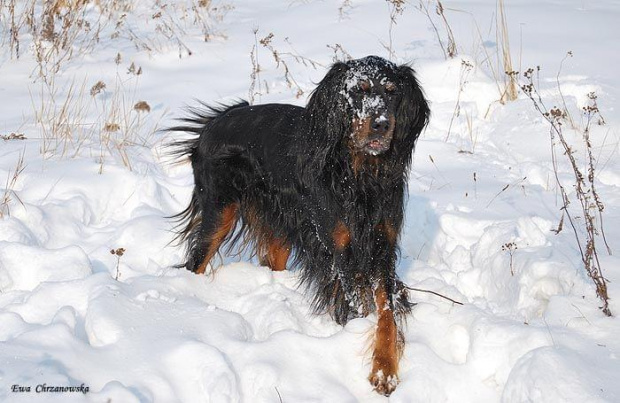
(186, 222)
(196, 124)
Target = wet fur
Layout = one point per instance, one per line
(294, 174)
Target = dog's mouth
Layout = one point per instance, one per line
(377, 146)
(373, 135)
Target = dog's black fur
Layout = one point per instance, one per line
(326, 182)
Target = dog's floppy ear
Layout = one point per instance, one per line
(327, 120)
(326, 105)
(413, 112)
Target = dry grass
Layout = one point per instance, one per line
(121, 118)
(9, 194)
(60, 114)
(511, 91)
(499, 63)
(59, 30)
(80, 118)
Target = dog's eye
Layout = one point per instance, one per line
(364, 86)
(390, 87)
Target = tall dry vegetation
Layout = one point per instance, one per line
(77, 115)
(585, 220)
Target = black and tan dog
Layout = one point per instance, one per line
(320, 188)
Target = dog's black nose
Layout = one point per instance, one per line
(380, 125)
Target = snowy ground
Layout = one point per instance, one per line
(133, 329)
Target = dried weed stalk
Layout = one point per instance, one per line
(510, 247)
(466, 68)
(118, 253)
(588, 227)
(343, 10)
(13, 136)
(281, 59)
(255, 84)
(340, 54)
(397, 7)
(449, 50)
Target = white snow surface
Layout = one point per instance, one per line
(133, 328)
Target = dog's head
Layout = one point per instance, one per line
(371, 104)
(371, 93)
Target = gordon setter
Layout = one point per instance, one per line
(320, 188)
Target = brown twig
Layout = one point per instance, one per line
(434, 293)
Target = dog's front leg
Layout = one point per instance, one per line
(388, 344)
(387, 349)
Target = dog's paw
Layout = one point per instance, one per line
(383, 384)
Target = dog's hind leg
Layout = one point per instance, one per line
(216, 225)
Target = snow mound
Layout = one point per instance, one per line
(25, 267)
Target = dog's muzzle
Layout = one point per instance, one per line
(380, 135)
